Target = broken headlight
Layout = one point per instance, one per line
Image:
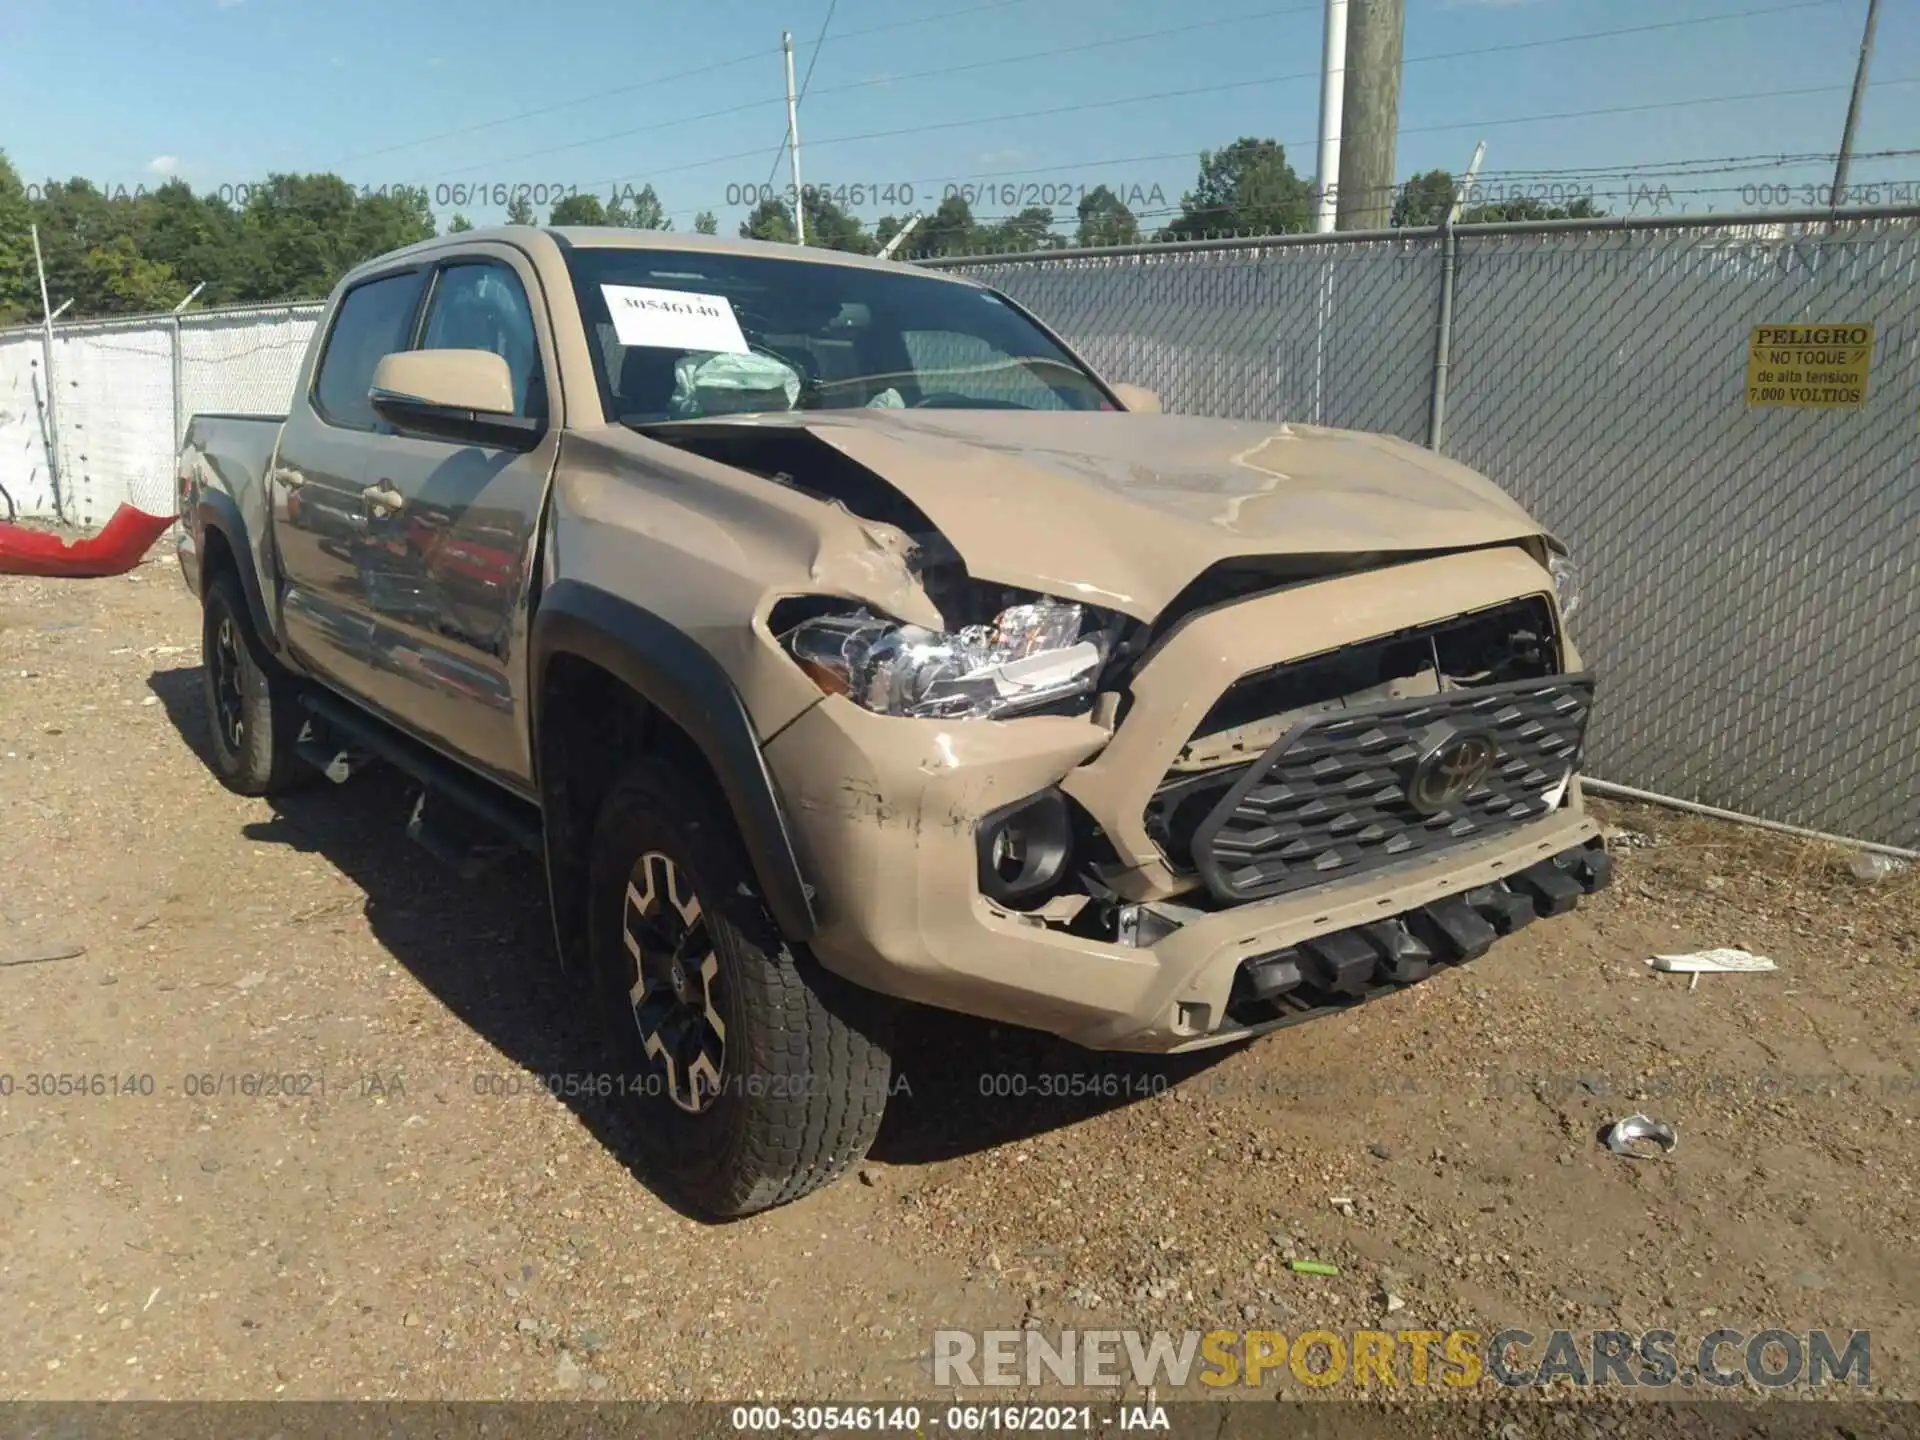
(1028, 656)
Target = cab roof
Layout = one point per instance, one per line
(613, 237)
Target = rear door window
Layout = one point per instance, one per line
(374, 320)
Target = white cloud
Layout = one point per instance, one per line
(164, 165)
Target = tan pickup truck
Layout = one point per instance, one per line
(837, 637)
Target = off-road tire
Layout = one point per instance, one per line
(806, 1066)
(237, 680)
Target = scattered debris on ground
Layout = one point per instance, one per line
(304, 1127)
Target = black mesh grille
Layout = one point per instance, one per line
(1331, 799)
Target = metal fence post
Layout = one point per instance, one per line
(1443, 344)
(179, 396)
(54, 472)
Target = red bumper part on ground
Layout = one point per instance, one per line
(127, 536)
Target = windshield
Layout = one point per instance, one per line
(683, 335)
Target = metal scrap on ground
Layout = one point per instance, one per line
(1713, 962)
(1625, 1134)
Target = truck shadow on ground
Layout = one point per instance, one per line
(485, 949)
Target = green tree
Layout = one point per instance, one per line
(119, 280)
(293, 236)
(196, 237)
(831, 228)
(74, 220)
(1249, 188)
(706, 223)
(638, 210)
(380, 223)
(459, 225)
(300, 233)
(1105, 220)
(520, 211)
(1423, 202)
(770, 220)
(1031, 229)
(1529, 208)
(19, 284)
(950, 230)
(579, 210)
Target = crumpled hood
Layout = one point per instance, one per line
(1124, 510)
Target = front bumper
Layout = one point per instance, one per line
(885, 811)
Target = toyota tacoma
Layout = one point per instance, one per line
(836, 637)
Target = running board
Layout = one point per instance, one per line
(352, 735)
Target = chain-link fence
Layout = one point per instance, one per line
(1753, 571)
(121, 393)
(1751, 595)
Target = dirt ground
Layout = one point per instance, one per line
(421, 1217)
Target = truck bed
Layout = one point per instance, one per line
(230, 454)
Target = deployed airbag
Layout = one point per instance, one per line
(706, 385)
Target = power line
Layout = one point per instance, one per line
(1490, 179)
(919, 75)
(819, 40)
(938, 15)
(1219, 86)
(1093, 45)
(658, 125)
(658, 80)
(577, 100)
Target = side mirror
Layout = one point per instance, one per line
(1138, 397)
(451, 395)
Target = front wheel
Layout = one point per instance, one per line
(754, 1076)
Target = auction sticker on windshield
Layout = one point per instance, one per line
(1821, 367)
(674, 319)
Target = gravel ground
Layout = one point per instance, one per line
(410, 1213)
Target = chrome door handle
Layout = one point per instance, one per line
(383, 496)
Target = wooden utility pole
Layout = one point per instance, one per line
(1375, 35)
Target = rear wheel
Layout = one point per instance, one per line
(251, 712)
(753, 1075)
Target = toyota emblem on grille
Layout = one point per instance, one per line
(1451, 764)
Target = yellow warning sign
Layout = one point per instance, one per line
(1821, 367)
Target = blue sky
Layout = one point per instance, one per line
(226, 91)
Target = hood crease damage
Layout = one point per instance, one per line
(1124, 512)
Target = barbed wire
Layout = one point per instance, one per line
(1486, 182)
(654, 82)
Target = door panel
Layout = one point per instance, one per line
(321, 519)
(448, 564)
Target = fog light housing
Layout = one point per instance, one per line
(1024, 848)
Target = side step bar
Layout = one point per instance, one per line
(359, 733)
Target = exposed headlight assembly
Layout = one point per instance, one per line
(1029, 656)
(1566, 581)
